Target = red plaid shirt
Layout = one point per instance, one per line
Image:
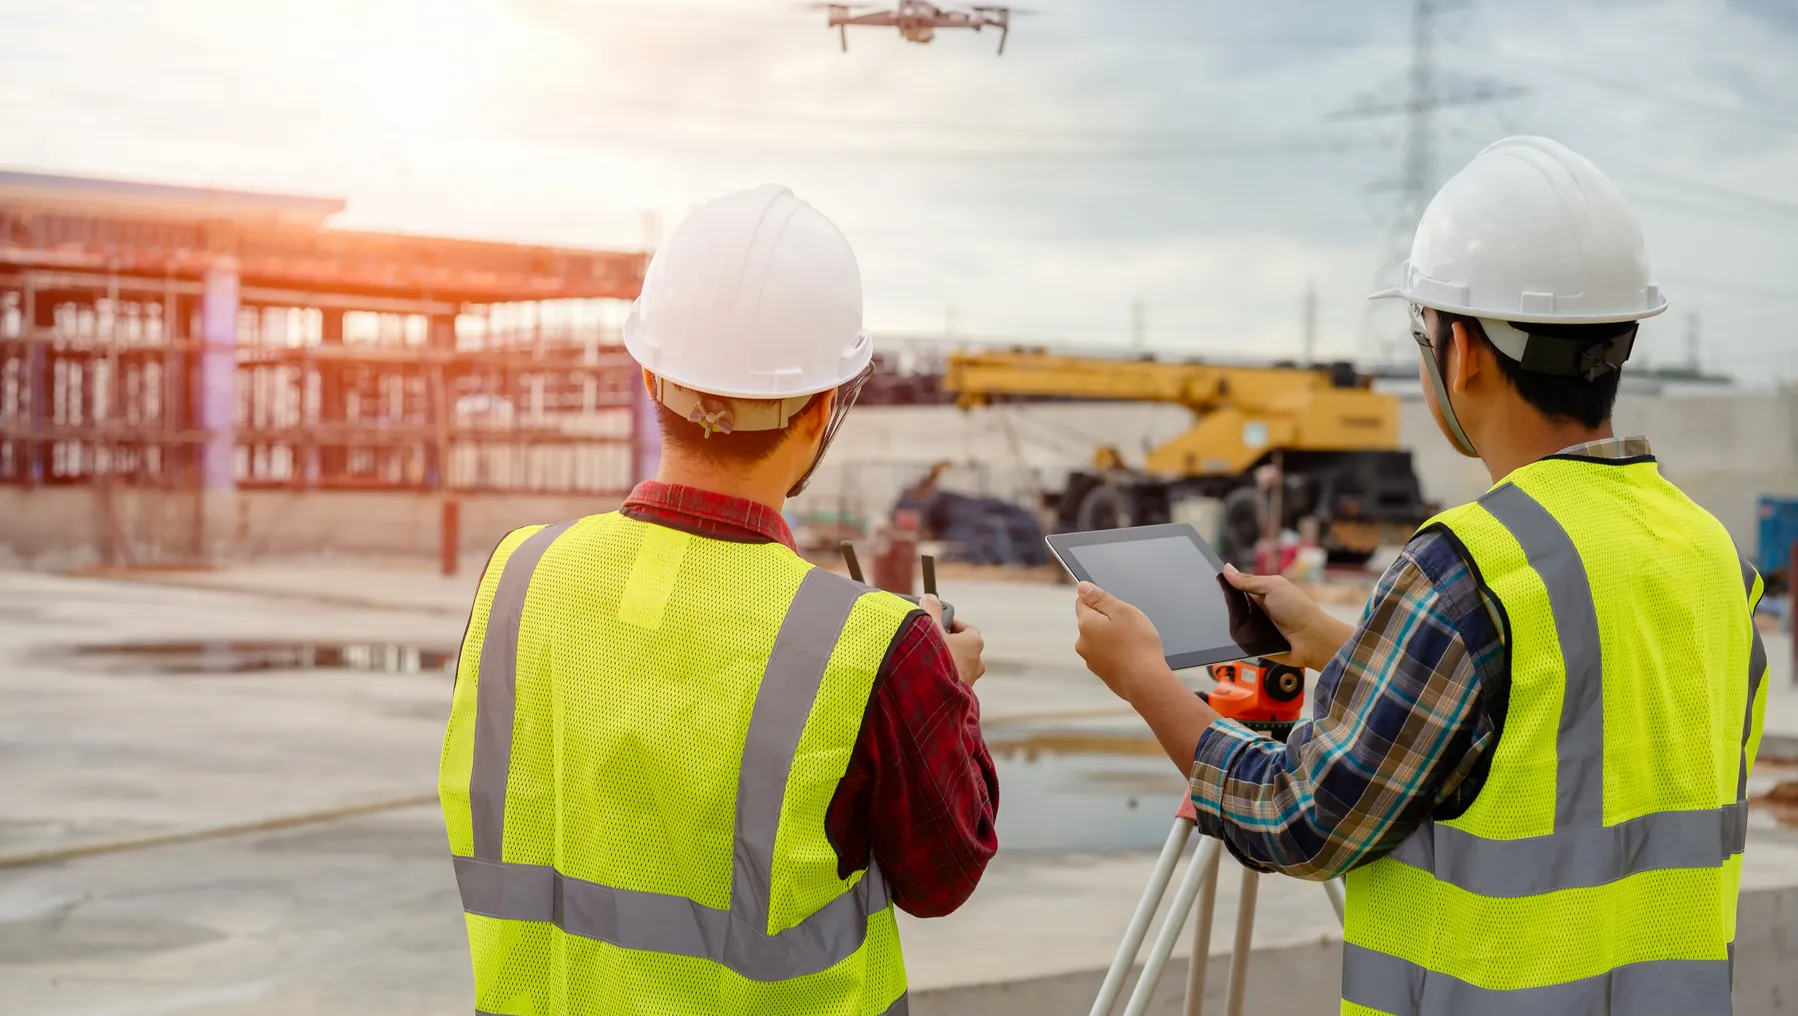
(920, 792)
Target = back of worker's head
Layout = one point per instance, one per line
(1536, 256)
(749, 330)
(1558, 397)
(738, 450)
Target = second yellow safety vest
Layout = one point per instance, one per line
(648, 727)
(1597, 870)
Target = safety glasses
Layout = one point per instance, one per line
(1420, 331)
(847, 393)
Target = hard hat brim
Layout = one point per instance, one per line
(648, 356)
(1398, 293)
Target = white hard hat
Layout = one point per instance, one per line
(755, 295)
(1530, 231)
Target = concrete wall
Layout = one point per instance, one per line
(73, 527)
(272, 523)
(1305, 979)
(1724, 449)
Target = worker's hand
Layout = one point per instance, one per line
(965, 643)
(1118, 642)
(1316, 637)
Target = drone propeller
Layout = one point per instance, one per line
(1014, 11)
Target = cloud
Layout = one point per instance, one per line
(1121, 150)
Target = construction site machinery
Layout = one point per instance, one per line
(1332, 443)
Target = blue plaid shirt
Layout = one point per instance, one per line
(1403, 726)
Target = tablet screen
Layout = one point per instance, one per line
(1201, 618)
(1169, 580)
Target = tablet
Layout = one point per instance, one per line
(1171, 574)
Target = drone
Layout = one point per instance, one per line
(918, 21)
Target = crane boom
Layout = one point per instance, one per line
(1325, 427)
(1243, 413)
(976, 378)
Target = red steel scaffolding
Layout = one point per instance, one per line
(141, 326)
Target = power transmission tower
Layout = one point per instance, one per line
(1310, 323)
(1424, 96)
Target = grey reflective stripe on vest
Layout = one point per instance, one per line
(1655, 988)
(496, 691)
(736, 938)
(1579, 744)
(659, 922)
(901, 1007)
(1757, 669)
(1576, 858)
(795, 671)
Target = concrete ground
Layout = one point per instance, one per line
(172, 844)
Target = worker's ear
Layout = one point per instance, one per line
(649, 382)
(1466, 359)
(817, 416)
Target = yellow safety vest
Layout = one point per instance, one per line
(647, 731)
(1597, 870)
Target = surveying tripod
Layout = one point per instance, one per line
(1200, 884)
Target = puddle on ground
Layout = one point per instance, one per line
(1080, 791)
(62, 938)
(1077, 791)
(1773, 790)
(223, 657)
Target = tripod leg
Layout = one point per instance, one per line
(1170, 929)
(1337, 893)
(1139, 921)
(1201, 941)
(1239, 953)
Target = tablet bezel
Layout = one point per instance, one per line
(1182, 661)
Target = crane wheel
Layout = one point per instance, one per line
(1241, 527)
(1104, 507)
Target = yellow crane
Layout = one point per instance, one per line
(1331, 437)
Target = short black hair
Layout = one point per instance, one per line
(1561, 398)
(740, 448)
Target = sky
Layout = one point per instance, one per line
(1193, 158)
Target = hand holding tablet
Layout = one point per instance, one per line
(1175, 579)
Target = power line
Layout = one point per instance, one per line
(1172, 153)
(1760, 202)
(1743, 288)
(1714, 212)
(1638, 90)
(1111, 146)
(598, 115)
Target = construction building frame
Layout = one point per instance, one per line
(180, 347)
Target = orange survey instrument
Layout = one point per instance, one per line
(1260, 694)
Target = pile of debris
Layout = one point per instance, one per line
(975, 530)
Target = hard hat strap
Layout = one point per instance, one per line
(1438, 388)
(1588, 356)
(846, 396)
(718, 415)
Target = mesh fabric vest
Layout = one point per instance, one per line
(1597, 870)
(648, 727)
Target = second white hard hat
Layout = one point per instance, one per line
(754, 295)
(1530, 231)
